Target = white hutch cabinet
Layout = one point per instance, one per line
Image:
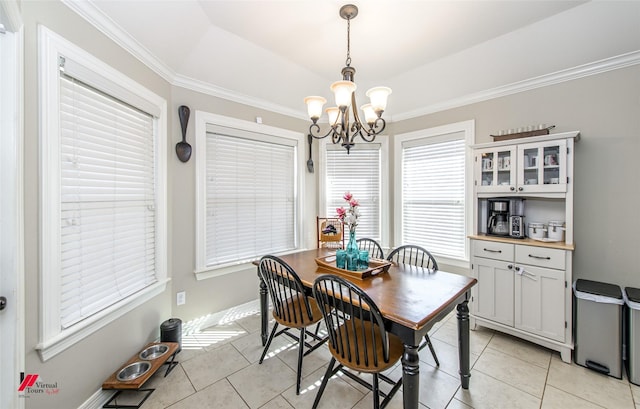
(524, 285)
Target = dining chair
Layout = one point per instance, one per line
(330, 232)
(358, 340)
(372, 246)
(291, 308)
(419, 257)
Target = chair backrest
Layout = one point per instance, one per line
(354, 322)
(413, 255)
(372, 246)
(285, 289)
(330, 232)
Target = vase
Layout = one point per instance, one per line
(352, 252)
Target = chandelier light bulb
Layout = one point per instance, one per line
(370, 115)
(333, 113)
(314, 107)
(378, 97)
(343, 91)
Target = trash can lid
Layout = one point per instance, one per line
(602, 291)
(633, 294)
(171, 323)
(632, 297)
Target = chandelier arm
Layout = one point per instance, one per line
(314, 131)
(373, 131)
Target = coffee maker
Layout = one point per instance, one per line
(498, 217)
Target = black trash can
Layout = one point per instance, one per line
(598, 326)
(171, 331)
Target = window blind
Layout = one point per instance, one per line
(251, 198)
(433, 196)
(358, 173)
(107, 193)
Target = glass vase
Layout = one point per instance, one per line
(352, 252)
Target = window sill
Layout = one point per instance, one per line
(455, 262)
(66, 338)
(217, 271)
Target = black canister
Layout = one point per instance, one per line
(171, 331)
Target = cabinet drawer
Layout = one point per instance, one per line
(540, 256)
(492, 249)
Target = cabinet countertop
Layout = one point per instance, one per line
(526, 241)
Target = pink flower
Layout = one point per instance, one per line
(354, 203)
(341, 212)
(347, 196)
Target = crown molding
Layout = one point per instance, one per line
(88, 11)
(95, 17)
(585, 70)
(213, 90)
(13, 18)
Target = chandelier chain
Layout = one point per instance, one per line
(348, 61)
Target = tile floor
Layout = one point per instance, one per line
(219, 369)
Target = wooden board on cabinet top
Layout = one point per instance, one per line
(526, 241)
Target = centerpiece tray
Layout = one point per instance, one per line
(376, 266)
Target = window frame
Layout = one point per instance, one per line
(202, 119)
(52, 338)
(429, 134)
(383, 141)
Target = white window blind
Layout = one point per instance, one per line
(433, 183)
(251, 198)
(107, 193)
(359, 173)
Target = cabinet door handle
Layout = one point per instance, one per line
(493, 251)
(539, 257)
(520, 189)
(510, 266)
(512, 188)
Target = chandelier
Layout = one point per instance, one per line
(344, 119)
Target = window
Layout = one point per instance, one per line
(432, 204)
(104, 229)
(358, 173)
(248, 193)
(361, 172)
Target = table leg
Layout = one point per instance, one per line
(463, 342)
(410, 376)
(264, 311)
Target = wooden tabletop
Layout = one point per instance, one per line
(410, 296)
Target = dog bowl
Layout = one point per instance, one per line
(153, 352)
(133, 371)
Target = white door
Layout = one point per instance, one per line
(11, 310)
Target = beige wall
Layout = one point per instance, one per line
(80, 370)
(218, 293)
(605, 108)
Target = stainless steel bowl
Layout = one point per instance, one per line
(133, 371)
(153, 352)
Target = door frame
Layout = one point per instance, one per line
(11, 179)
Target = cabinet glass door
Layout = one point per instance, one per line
(543, 167)
(496, 170)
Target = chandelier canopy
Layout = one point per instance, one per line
(344, 119)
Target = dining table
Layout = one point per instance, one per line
(412, 299)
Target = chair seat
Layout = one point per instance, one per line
(356, 359)
(299, 318)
